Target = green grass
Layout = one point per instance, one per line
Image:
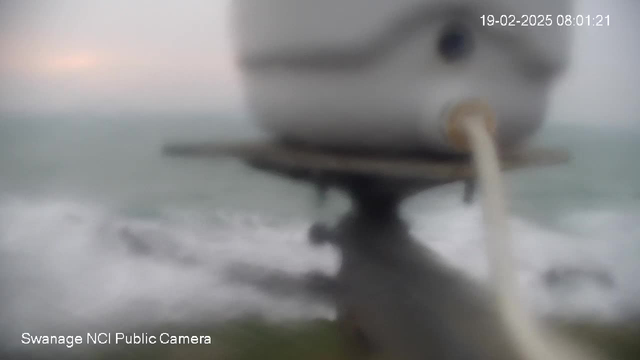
(618, 342)
(256, 339)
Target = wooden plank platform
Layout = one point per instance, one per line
(298, 160)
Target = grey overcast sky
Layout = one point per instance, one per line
(175, 55)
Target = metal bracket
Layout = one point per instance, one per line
(470, 186)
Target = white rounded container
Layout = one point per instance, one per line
(382, 74)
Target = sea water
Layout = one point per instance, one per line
(98, 230)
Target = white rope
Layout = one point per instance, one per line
(523, 328)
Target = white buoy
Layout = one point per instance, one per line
(354, 74)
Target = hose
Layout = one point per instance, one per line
(523, 327)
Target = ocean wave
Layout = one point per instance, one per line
(574, 272)
(68, 265)
(73, 265)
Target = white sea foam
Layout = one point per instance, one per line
(72, 265)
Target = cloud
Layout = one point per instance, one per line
(119, 54)
(154, 54)
(603, 84)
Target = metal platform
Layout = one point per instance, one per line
(395, 175)
(301, 162)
